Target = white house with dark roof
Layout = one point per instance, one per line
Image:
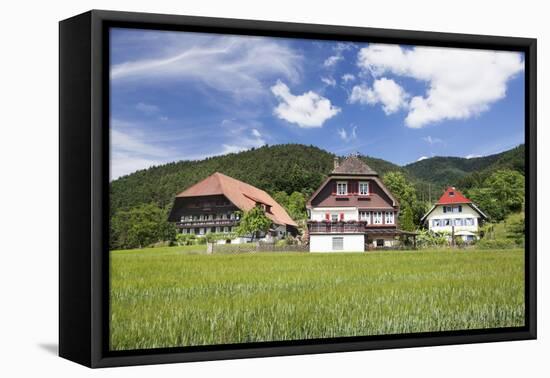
(352, 210)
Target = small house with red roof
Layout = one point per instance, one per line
(455, 214)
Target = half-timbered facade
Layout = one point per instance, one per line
(213, 206)
(352, 210)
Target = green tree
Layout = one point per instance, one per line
(253, 222)
(297, 206)
(405, 193)
(141, 226)
(502, 193)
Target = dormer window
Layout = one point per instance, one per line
(451, 194)
(364, 188)
(342, 188)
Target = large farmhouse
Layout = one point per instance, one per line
(213, 204)
(455, 214)
(352, 210)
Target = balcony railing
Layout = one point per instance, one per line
(327, 227)
(336, 227)
(208, 222)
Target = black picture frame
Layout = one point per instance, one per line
(84, 187)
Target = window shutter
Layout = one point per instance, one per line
(444, 209)
(327, 216)
(333, 187)
(341, 216)
(460, 208)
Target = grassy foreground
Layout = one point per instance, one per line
(167, 297)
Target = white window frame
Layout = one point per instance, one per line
(334, 217)
(362, 186)
(201, 231)
(436, 223)
(338, 239)
(389, 217)
(376, 217)
(341, 185)
(364, 216)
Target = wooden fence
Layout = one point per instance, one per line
(254, 247)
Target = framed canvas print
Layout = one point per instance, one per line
(233, 188)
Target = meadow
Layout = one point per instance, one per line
(177, 296)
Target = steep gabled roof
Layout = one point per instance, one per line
(241, 194)
(452, 196)
(352, 165)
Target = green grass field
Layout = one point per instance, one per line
(167, 297)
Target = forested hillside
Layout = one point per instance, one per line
(141, 201)
(444, 171)
(289, 168)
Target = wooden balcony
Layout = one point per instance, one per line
(352, 227)
(336, 227)
(208, 223)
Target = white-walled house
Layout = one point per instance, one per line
(453, 212)
(352, 210)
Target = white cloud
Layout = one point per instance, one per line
(422, 158)
(343, 134)
(147, 108)
(384, 91)
(130, 152)
(430, 140)
(329, 81)
(306, 110)
(238, 65)
(348, 77)
(332, 60)
(241, 135)
(472, 156)
(244, 143)
(461, 82)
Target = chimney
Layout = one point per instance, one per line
(336, 162)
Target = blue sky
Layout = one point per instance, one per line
(186, 96)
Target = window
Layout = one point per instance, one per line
(218, 229)
(469, 221)
(436, 223)
(446, 222)
(341, 188)
(363, 188)
(201, 231)
(377, 217)
(451, 194)
(379, 242)
(213, 229)
(458, 222)
(226, 229)
(337, 244)
(364, 216)
(334, 217)
(389, 217)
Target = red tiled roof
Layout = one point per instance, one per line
(451, 196)
(241, 194)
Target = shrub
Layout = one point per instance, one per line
(495, 244)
